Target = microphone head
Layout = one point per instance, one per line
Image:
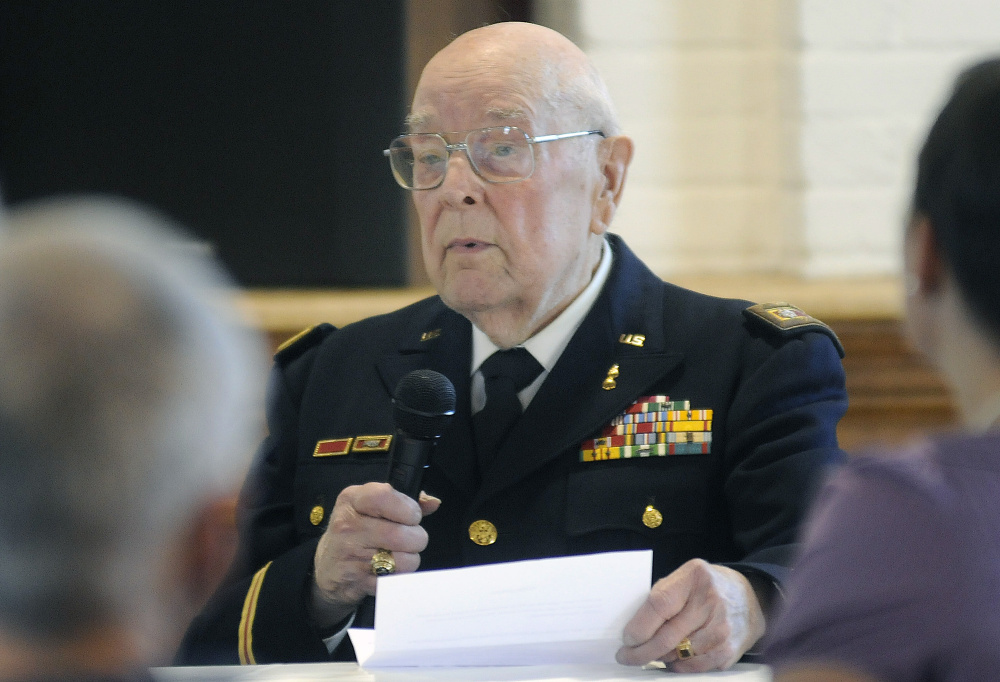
(423, 404)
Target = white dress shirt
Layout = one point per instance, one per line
(547, 345)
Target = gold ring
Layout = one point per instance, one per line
(684, 649)
(383, 563)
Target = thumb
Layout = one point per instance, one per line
(428, 503)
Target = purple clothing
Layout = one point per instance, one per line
(899, 575)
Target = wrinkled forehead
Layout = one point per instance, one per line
(430, 120)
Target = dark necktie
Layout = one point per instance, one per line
(506, 373)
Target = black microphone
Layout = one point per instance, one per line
(423, 405)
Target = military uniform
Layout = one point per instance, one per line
(737, 417)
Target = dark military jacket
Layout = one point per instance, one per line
(764, 401)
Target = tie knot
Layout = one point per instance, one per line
(517, 364)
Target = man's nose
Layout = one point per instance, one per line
(461, 184)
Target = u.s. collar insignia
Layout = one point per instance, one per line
(432, 334)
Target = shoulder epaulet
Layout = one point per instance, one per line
(303, 341)
(787, 320)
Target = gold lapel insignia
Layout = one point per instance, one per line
(632, 339)
(609, 381)
(432, 334)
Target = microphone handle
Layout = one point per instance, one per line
(407, 461)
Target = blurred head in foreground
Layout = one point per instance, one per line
(953, 244)
(126, 386)
(900, 569)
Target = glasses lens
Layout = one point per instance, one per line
(418, 161)
(501, 154)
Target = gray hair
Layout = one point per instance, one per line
(129, 388)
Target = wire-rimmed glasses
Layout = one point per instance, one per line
(498, 154)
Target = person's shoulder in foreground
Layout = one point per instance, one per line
(902, 567)
(900, 570)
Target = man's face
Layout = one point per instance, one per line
(523, 248)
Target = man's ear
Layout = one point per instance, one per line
(926, 266)
(614, 155)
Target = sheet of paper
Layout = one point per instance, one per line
(541, 612)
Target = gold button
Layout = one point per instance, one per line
(652, 518)
(483, 533)
(316, 515)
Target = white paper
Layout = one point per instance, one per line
(568, 610)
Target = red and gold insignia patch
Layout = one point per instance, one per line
(333, 447)
(371, 443)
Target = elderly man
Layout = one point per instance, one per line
(653, 417)
(124, 416)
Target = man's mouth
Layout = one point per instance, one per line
(464, 245)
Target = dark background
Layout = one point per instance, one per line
(257, 124)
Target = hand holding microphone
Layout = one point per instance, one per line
(423, 405)
(371, 525)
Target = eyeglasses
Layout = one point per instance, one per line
(498, 155)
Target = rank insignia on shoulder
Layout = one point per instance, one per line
(303, 341)
(787, 320)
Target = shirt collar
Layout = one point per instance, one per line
(547, 345)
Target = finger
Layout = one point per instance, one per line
(662, 645)
(359, 576)
(715, 647)
(406, 562)
(665, 600)
(376, 534)
(380, 500)
(678, 605)
(428, 503)
(668, 599)
(723, 638)
(714, 659)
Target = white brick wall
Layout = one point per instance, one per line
(873, 74)
(700, 85)
(774, 135)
